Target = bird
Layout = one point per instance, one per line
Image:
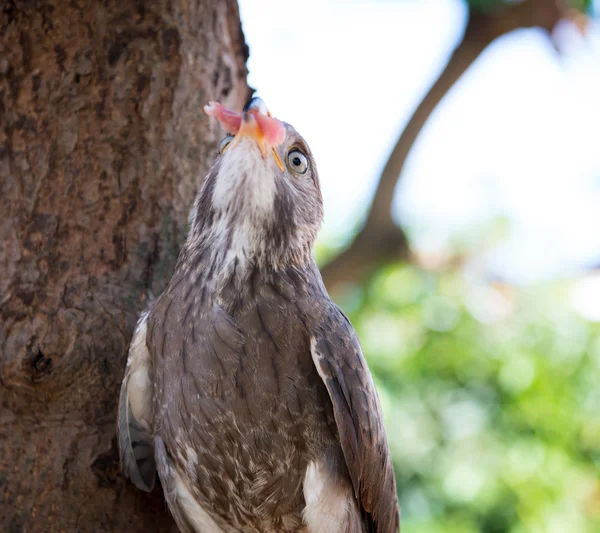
(246, 389)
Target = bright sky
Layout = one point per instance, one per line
(518, 136)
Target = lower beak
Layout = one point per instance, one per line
(250, 128)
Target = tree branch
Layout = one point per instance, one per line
(381, 239)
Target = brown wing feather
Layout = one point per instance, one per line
(338, 357)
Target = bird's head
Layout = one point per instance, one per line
(261, 201)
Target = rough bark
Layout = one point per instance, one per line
(103, 144)
(381, 240)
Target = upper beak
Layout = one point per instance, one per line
(256, 104)
(251, 128)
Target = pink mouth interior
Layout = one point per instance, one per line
(272, 129)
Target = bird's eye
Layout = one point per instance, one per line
(225, 143)
(297, 162)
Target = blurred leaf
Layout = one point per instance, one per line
(490, 5)
(491, 400)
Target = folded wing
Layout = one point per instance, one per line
(338, 357)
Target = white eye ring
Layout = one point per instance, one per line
(225, 143)
(297, 162)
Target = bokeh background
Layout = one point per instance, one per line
(483, 333)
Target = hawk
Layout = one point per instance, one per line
(246, 388)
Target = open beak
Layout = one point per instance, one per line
(250, 128)
(255, 122)
(266, 131)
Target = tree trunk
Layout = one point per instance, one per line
(103, 144)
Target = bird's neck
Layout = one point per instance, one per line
(226, 257)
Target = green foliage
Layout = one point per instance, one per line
(490, 5)
(492, 401)
(582, 5)
(485, 5)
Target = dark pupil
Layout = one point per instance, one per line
(296, 161)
